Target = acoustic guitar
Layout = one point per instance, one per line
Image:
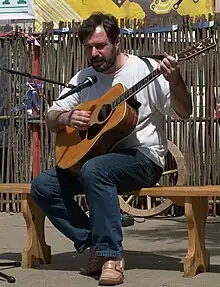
(113, 117)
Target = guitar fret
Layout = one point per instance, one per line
(135, 89)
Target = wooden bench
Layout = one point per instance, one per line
(194, 198)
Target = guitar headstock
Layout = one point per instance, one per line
(196, 49)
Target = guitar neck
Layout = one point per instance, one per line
(140, 85)
(186, 54)
(136, 88)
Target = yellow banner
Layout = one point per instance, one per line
(67, 10)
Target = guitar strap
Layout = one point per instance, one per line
(132, 101)
(158, 58)
(148, 63)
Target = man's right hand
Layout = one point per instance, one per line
(78, 119)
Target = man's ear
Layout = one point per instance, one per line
(118, 43)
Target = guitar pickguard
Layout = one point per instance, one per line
(94, 130)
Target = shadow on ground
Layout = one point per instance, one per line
(175, 232)
(168, 259)
(72, 261)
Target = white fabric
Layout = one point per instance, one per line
(149, 134)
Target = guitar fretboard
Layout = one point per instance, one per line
(136, 88)
(186, 54)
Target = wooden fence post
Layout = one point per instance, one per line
(36, 126)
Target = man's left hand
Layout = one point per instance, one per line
(169, 68)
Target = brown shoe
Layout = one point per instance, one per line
(94, 266)
(112, 273)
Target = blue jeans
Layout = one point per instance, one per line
(101, 178)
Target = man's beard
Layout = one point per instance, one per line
(103, 64)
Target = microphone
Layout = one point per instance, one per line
(89, 81)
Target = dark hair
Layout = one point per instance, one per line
(109, 23)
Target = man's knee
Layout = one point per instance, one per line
(41, 187)
(92, 171)
(37, 191)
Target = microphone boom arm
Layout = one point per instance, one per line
(36, 77)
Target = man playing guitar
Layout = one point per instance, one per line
(137, 161)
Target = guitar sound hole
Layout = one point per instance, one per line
(104, 112)
(94, 130)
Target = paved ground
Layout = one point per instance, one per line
(153, 253)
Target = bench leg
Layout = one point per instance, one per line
(37, 251)
(197, 259)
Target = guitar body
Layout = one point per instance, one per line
(74, 147)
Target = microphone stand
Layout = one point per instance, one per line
(36, 77)
(25, 74)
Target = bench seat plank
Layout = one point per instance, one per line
(165, 191)
(15, 188)
(182, 190)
